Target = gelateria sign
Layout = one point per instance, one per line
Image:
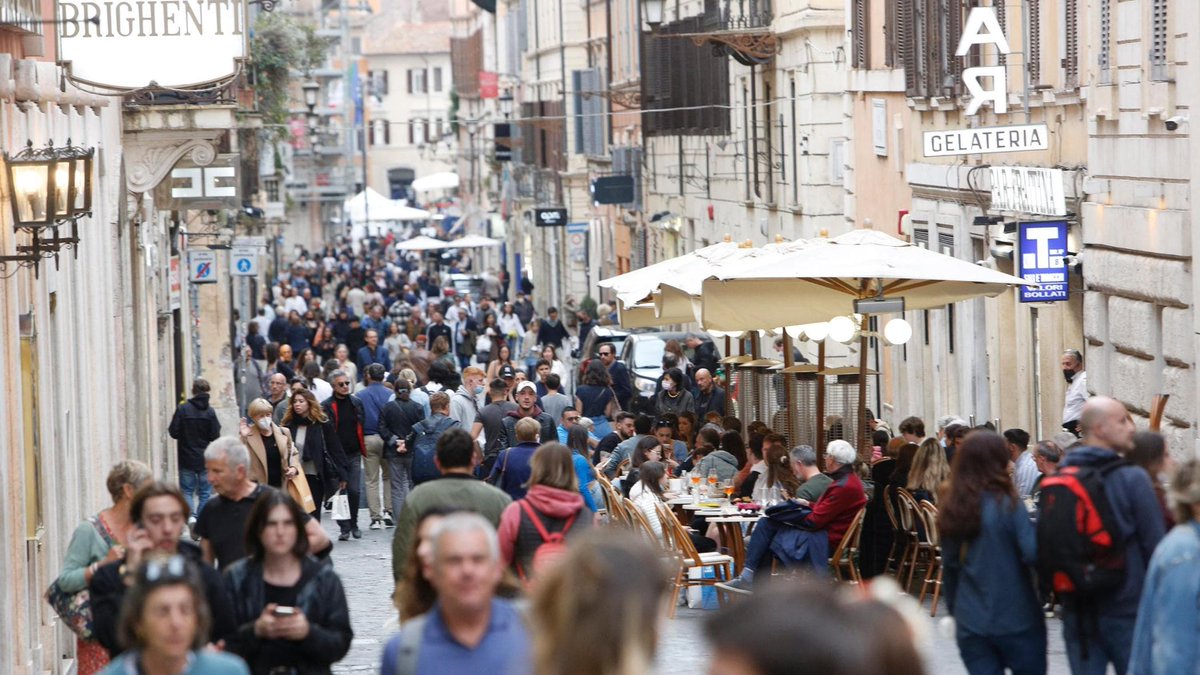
(985, 84)
(130, 44)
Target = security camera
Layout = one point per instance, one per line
(1174, 122)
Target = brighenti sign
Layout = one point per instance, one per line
(983, 28)
(122, 44)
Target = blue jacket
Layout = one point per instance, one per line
(374, 397)
(511, 470)
(1139, 521)
(989, 579)
(1167, 638)
(366, 358)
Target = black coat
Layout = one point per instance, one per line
(194, 425)
(322, 448)
(107, 592)
(552, 334)
(621, 384)
(396, 422)
(321, 598)
(549, 430)
(705, 356)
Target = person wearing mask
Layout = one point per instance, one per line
(291, 611)
(1108, 432)
(373, 353)
(374, 397)
(97, 541)
(1164, 639)
(673, 398)
(622, 429)
(273, 456)
(464, 404)
(469, 629)
(166, 624)
(159, 512)
(346, 411)
(552, 504)
(396, 422)
(1077, 392)
(194, 426)
(527, 408)
(490, 423)
(321, 456)
(989, 550)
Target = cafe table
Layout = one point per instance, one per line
(732, 537)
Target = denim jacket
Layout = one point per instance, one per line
(1167, 638)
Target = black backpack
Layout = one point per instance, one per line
(423, 446)
(1081, 553)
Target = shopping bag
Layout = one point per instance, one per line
(341, 506)
(298, 488)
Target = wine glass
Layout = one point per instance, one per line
(713, 479)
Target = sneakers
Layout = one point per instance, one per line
(376, 524)
(387, 519)
(738, 585)
(357, 533)
(345, 536)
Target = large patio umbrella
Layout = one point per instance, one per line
(473, 241)
(821, 280)
(637, 288)
(370, 206)
(436, 181)
(422, 243)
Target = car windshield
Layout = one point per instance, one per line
(648, 353)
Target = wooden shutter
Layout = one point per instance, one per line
(410, 89)
(383, 83)
(1001, 8)
(1158, 40)
(1035, 42)
(906, 46)
(859, 36)
(1070, 61)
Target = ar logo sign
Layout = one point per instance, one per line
(984, 28)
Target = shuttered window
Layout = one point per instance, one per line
(859, 34)
(1035, 42)
(1001, 8)
(927, 35)
(1070, 61)
(1158, 40)
(590, 120)
(689, 83)
(1104, 49)
(907, 53)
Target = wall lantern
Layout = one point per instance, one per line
(506, 103)
(652, 13)
(47, 187)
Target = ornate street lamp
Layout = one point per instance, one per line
(47, 187)
(506, 103)
(310, 89)
(652, 13)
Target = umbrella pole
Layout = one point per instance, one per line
(728, 375)
(821, 403)
(788, 362)
(864, 448)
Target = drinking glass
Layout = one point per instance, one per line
(713, 479)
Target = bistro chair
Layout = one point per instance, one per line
(933, 573)
(918, 550)
(899, 536)
(676, 536)
(844, 561)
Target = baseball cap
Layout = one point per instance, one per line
(526, 385)
(507, 372)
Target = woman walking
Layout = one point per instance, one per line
(316, 440)
(989, 552)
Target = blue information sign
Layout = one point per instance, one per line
(1042, 259)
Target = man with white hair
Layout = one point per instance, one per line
(221, 526)
(830, 515)
(469, 630)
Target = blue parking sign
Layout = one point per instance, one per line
(1042, 260)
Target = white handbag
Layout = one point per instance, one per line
(341, 506)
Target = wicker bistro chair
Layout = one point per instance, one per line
(918, 550)
(933, 573)
(844, 560)
(684, 551)
(900, 536)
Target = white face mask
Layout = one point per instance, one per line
(668, 385)
(264, 423)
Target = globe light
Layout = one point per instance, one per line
(842, 328)
(817, 332)
(897, 331)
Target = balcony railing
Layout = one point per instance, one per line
(741, 15)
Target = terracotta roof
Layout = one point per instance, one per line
(386, 34)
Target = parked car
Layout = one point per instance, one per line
(600, 335)
(464, 283)
(642, 354)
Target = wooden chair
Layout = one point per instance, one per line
(899, 536)
(684, 551)
(844, 561)
(918, 549)
(933, 573)
(641, 524)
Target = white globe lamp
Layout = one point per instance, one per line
(897, 331)
(842, 328)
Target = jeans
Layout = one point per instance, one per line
(1024, 653)
(318, 492)
(1109, 639)
(758, 549)
(195, 483)
(352, 493)
(374, 464)
(401, 482)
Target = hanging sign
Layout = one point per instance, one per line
(987, 140)
(1042, 260)
(188, 186)
(175, 282)
(243, 261)
(202, 267)
(1028, 189)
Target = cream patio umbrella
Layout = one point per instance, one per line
(823, 279)
(635, 290)
(422, 243)
(473, 241)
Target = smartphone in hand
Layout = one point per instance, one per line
(284, 611)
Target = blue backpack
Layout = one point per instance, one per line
(423, 446)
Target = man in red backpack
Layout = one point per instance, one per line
(1098, 628)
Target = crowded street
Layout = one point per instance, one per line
(536, 337)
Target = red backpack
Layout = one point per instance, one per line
(1080, 550)
(554, 545)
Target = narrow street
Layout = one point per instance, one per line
(365, 569)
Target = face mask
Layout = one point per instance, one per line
(1068, 374)
(478, 389)
(668, 385)
(264, 423)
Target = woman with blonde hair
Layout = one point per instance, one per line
(273, 456)
(315, 438)
(598, 612)
(97, 541)
(552, 506)
(441, 352)
(929, 470)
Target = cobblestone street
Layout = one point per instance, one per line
(365, 568)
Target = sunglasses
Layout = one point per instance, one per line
(341, 384)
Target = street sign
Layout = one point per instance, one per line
(550, 217)
(612, 190)
(1028, 189)
(987, 140)
(188, 186)
(202, 267)
(175, 283)
(243, 261)
(577, 241)
(1042, 259)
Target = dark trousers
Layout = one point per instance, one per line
(317, 487)
(758, 549)
(1104, 640)
(353, 493)
(1024, 653)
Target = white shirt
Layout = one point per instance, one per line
(296, 303)
(1077, 395)
(321, 389)
(1025, 474)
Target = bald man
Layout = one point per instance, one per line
(1107, 434)
(709, 396)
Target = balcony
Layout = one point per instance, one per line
(746, 15)
(21, 15)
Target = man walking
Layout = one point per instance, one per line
(527, 408)
(374, 397)
(1025, 471)
(395, 426)
(1077, 394)
(621, 384)
(490, 423)
(194, 426)
(373, 352)
(346, 411)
